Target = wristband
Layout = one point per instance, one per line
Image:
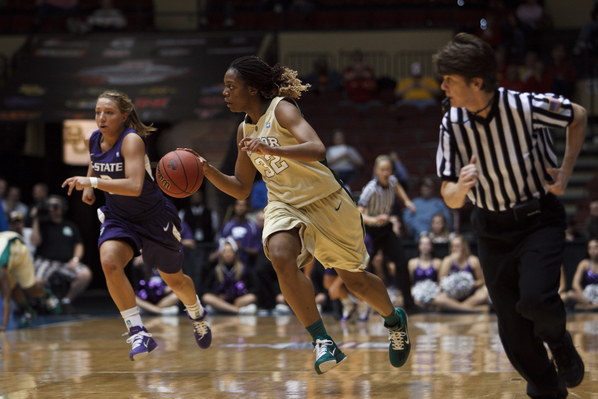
(75, 259)
(94, 182)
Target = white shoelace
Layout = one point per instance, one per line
(200, 327)
(397, 339)
(322, 347)
(137, 339)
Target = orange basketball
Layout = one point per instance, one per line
(179, 173)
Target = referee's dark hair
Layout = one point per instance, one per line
(468, 56)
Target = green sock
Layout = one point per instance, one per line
(394, 319)
(317, 330)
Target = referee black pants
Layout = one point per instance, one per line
(384, 238)
(521, 261)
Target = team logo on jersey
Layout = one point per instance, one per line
(268, 125)
(117, 154)
(554, 104)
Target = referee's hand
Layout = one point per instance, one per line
(468, 177)
(559, 181)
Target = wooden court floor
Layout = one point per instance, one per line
(453, 356)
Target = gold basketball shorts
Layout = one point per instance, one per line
(330, 229)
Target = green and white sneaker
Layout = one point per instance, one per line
(400, 345)
(328, 355)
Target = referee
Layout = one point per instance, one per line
(496, 149)
(375, 204)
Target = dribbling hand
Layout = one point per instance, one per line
(80, 183)
(203, 161)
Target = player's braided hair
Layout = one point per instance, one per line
(124, 104)
(276, 81)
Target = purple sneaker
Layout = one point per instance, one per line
(142, 341)
(201, 330)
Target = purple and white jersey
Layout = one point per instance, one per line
(111, 165)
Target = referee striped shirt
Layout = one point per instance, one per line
(377, 199)
(513, 146)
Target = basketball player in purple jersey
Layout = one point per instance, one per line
(137, 217)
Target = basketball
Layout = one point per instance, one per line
(179, 173)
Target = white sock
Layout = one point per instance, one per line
(131, 317)
(195, 311)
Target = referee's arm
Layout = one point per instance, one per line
(454, 193)
(576, 133)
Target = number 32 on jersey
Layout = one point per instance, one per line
(271, 164)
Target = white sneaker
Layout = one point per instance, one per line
(249, 309)
(170, 310)
(282, 309)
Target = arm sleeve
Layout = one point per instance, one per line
(550, 111)
(448, 164)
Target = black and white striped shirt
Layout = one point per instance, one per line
(378, 200)
(513, 146)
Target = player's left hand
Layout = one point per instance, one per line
(560, 181)
(78, 183)
(249, 144)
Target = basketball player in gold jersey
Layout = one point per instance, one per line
(309, 214)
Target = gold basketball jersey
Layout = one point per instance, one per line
(293, 182)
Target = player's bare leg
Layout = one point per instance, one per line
(284, 247)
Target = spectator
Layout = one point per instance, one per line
(562, 72)
(245, 232)
(459, 263)
(512, 80)
(259, 193)
(3, 222)
(201, 220)
(439, 232)
(427, 205)
(571, 233)
(39, 192)
(152, 294)
(3, 192)
(230, 284)
(534, 78)
(417, 89)
(13, 201)
(592, 221)
(399, 169)
(343, 159)
(513, 37)
(17, 224)
(584, 287)
(530, 14)
(323, 78)
(423, 271)
(359, 82)
(59, 249)
(588, 36)
(501, 62)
